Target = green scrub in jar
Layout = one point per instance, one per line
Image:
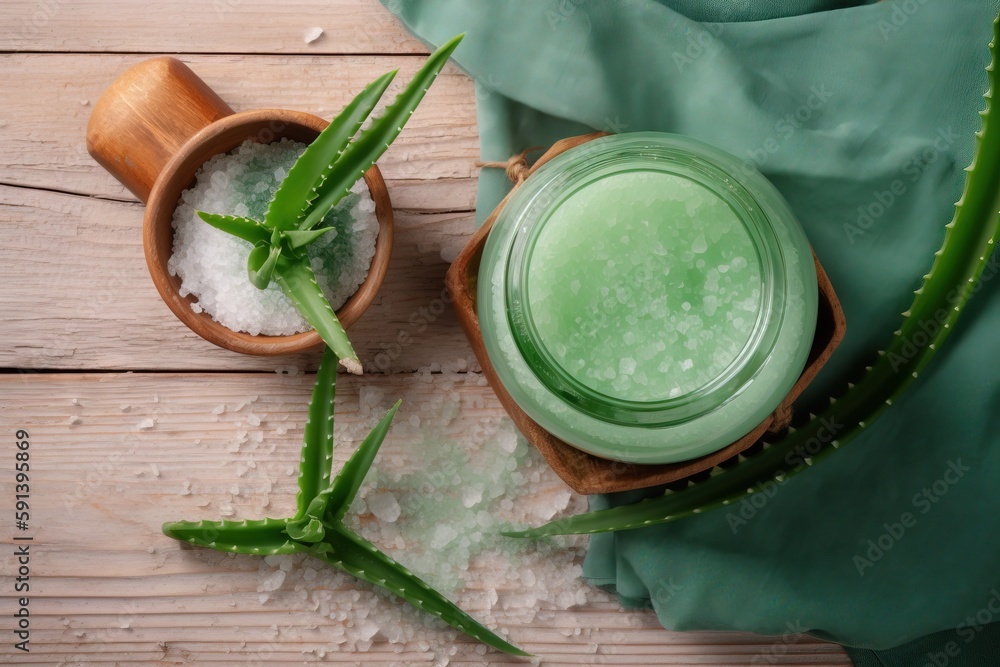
(647, 297)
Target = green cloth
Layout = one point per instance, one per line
(863, 116)
(969, 646)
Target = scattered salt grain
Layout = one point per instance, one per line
(272, 582)
(75, 419)
(471, 496)
(508, 442)
(146, 424)
(311, 35)
(442, 536)
(366, 630)
(384, 506)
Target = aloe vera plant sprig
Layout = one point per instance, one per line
(319, 179)
(317, 527)
(969, 240)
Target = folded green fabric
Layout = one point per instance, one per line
(863, 116)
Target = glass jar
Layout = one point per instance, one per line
(647, 297)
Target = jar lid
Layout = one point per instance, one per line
(650, 299)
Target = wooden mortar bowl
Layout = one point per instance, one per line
(154, 128)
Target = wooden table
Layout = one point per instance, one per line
(92, 353)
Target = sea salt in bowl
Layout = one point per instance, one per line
(212, 264)
(223, 136)
(153, 128)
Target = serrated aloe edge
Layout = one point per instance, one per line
(317, 527)
(969, 240)
(319, 179)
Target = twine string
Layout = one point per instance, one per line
(516, 166)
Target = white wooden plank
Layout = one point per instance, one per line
(108, 587)
(202, 26)
(77, 295)
(48, 99)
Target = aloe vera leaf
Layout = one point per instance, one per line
(369, 145)
(969, 239)
(360, 558)
(298, 187)
(244, 228)
(328, 540)
(317, 439)
(261, 263)
(296, 279)
(348, 481)
(298, 239)
(263, 537)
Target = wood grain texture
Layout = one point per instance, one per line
(77, 297)
(49, 97)
(97, 308)
(202, 26)
(107, 586)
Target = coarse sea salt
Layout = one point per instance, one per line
(437, 508)
(212, 264)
